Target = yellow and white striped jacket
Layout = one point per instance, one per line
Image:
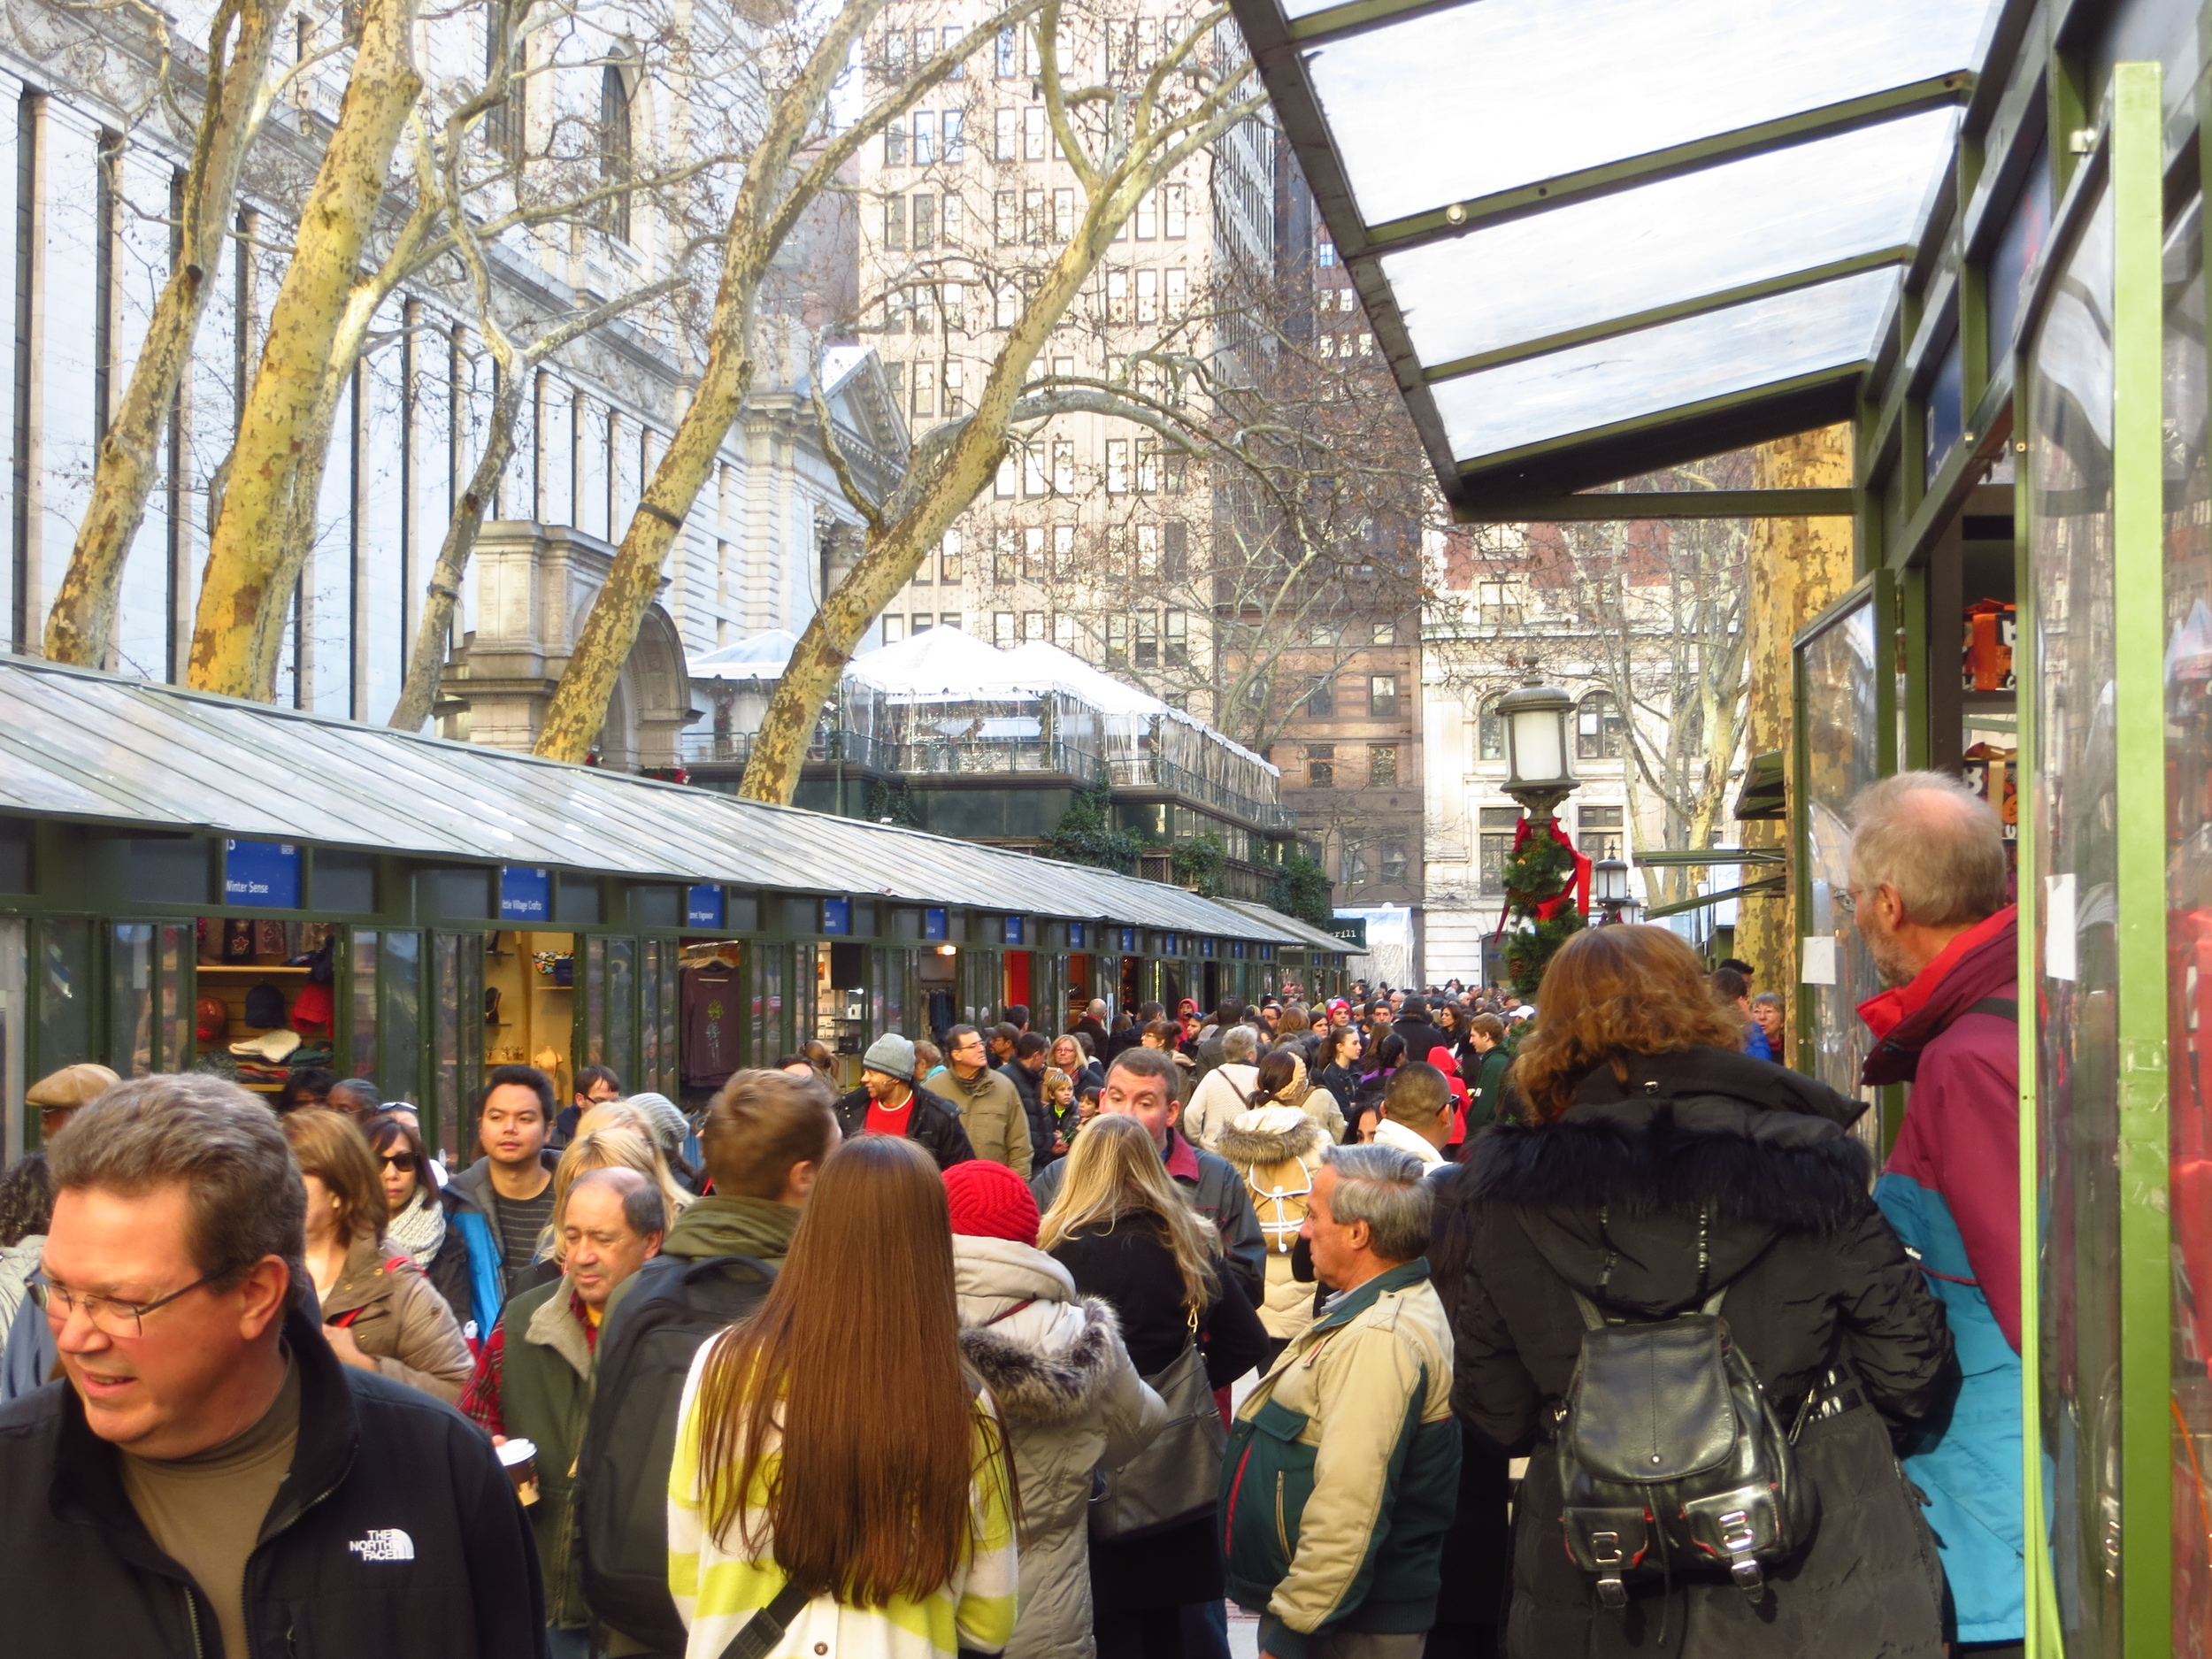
(717, 1592)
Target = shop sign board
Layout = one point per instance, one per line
(1014, 930)
(837, 916)
(1075, 936)
(266, 874)
(1351, 929)
(702, 906)
(525, 895)
(934, 923)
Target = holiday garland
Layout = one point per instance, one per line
(1541, 876)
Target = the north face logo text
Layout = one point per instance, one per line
(386, 1543)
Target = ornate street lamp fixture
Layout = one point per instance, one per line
(1536, 719)
(1608, 887)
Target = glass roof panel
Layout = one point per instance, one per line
(1757, 343)
(95, 747)
(1450, 105)
(1673, 240)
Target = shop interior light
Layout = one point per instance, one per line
(947, 951)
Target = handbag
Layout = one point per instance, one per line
(758, 1636)
(1178, 1477)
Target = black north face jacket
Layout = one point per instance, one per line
(395, 1533)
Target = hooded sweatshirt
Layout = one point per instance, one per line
(1277, 1150)
(1053, 1362)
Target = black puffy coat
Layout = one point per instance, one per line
(934, 1124)
(1607, 1200)
(396, 1532)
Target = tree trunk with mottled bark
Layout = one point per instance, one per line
(244, 593)
(81, 624)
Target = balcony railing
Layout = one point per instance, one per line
(1149, 771)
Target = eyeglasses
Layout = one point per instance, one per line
(403, 1162)
(108, 1316)
(1847, 901)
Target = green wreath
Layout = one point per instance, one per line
(1538, 869)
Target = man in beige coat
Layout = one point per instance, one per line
(990, 1107)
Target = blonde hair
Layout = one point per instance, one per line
(607, 1113)
(1055, 1080)
(1115, 1170)
(610, 1143)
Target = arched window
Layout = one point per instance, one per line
(614, 148)
(1598, 728)
(1490, 732)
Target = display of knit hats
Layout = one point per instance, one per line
(989, 1201)
(265, 1007)
(276, 1047)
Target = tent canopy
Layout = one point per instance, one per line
(1598, 237)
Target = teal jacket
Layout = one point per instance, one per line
(1342, 1472)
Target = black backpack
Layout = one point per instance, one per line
(1672, 1460)
(674, 1307)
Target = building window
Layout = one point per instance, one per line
(1118, 641)
(1063, 215)
(1177, 292)
(1490, 732)
(1354, 864)
(1175, 551)
(924, 401)
(956, 390)
(1033, 625)
(1382, 766)
(894, 224)
(1175, 212)
(1495, 845)
(949, 557)
(1063, 466)
(1002, 630)
(959, 70)
(614, 149)
(1149, 297)
(1382, 696)
(1033, 217)
(1176, 640)
(1117, 466)
(1384, 634)
(1006, 126)
(1034, 481)
(1006, 61)
(1116, 297)
(1325, 253)
(1002, 230)
(893, 630)
(1033, 132)
(1033, 554)
(956, 124)
(1598, 733)
(1393, 862)
(1063, 632)
(1321, 765)
(1321, 701)
(1149, 217)
(1498, 605)
(948, 619)
(894, 55)
(1064, 550)
(1599, 832)
(925, 219)
(1148, 641)
(1324, 634)
(924, 149)
(1006, 483)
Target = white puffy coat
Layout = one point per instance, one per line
(1072, 1403)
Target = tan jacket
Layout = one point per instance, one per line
(1277, 1149)
(991, 1111)
(399, 1320)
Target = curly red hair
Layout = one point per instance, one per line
(1610, 991)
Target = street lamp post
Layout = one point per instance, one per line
(1539, 778)
(1608, 887)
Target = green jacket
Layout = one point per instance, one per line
(1343, 1473)
(715, 1226)
(545, 1396)
(1489, 1086)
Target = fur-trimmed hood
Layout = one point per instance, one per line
(1039, 1386)
(1270, 1135)
(1610, 1194)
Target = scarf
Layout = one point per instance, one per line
(419, 1229)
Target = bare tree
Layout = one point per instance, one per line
(1118, 142)
(779, 184)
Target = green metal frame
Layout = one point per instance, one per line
(2139, 834)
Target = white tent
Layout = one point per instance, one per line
(761, 656)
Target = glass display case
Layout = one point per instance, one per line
(1845, 737)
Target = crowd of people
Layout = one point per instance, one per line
(1050, 1344)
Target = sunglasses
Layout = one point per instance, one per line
(403, 1162)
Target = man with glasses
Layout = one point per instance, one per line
(206, 1473)
(990, 1109)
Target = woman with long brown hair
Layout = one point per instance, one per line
(837, 1474)
(1658, 1168)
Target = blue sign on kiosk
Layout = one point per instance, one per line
(933, 924)
(1075, 936)
(266, 874)
(525, 895)
(702, 906)
(1013, 929)
(837, 916)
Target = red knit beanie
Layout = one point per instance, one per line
(989, 1201)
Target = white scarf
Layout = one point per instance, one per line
(419, 1229)
(1395, 1134)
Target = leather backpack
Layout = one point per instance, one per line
(1671, 1459)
